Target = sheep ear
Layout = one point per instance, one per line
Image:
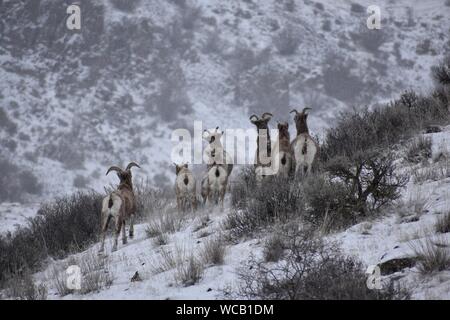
(206, 134)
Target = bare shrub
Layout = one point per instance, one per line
(287, 40)
(433, 172)
(125, 5)
(190, 16)
(62, 150)
(311, 270)
(419, 150)
(329, 203)
(203, 223)
(6, 124)
(95, 274)
(257, 206)
(357, 8)
(273, 248)
(23, 287)
(432, 257)
(61, 227)
(189, 271)
(441, 72)
(414, 207)
(371, 40)
(443, 223)
(167, 260)
(59, 281)
(371, 177)
(425, 47)
(263, 87)
(361, 130)
(150, 201)
(213, 252)
(161, 239)
(167, 222)
(19, 182)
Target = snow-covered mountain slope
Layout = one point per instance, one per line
(14, 214)
(393, 235)
(74, 102)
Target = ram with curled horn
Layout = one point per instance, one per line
(305, 148)
(119, 205)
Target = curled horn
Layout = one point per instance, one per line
(114, 168)
(305, 109)
(131, 165)
(294, 110)
(254, 116)
(265, 114)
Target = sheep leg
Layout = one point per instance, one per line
(178, 204)
(194, 204)
(104, 229)
(132, 226)
(116, 234)
(124, 233)
(222, 196)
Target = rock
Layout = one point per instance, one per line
(136, 277)
(410, 219)
(433, 128)
(395, 265)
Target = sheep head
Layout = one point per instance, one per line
(300, 120)
(283, 129)
(263, 122)
(212, 136)
(124, 176)
(178, 168)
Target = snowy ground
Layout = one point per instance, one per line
(372, 242)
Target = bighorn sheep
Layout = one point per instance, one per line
(304, 146)
(214, 184)
(214, 150)
(262, 125)
(218, 169)
(282, 151)
(120, 205)
(185, 188)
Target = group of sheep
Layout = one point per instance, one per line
(286, 158)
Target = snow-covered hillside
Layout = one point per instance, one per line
(75, 102)
(394, 235)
